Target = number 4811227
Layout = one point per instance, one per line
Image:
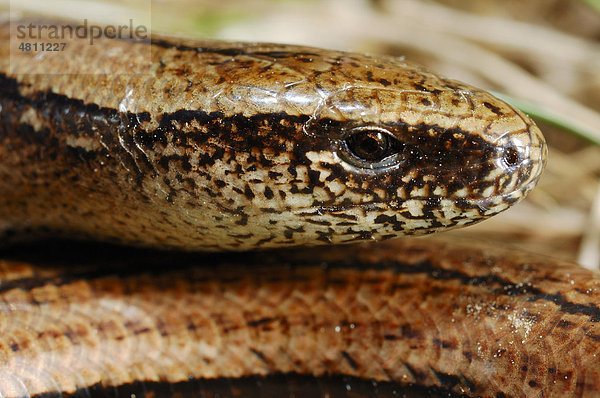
(42, 46)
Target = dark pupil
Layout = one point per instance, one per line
(368, 145)
(511, 156)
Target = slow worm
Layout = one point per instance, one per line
(229, 147)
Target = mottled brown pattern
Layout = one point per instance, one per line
(233, 146)
(469, 320)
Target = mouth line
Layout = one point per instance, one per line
(483, 203)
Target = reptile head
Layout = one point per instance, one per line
(388, 148)
(419, 161)
(336, 147)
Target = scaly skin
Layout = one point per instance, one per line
(231, 146)
(469, 320)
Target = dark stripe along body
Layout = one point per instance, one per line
(462, 319)
(221, 146)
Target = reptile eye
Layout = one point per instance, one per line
(511, 156)
(371, 147)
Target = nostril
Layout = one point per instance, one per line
(511, 156)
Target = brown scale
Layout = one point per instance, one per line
(215, 146)
(190, 152)
(460, 319)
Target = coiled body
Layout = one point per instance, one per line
(227, 147)
(468, 320)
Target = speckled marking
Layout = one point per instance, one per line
(461, 319)
(233, 146)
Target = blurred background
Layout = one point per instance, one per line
(541, 55)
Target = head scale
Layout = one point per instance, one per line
(371, 148)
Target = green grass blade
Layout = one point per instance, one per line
(595, 4)
(557, 119)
